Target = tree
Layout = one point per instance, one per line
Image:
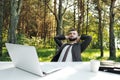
(59, 20)
(1, 24)
(100, 34)
(14, 17)
(80, 16)
(45, 15)
(74, 14)
(87, 21)
(111, 31)
(59, 15)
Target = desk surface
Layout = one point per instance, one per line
(71, 71)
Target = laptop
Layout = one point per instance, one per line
(25, 58)
(110, 66)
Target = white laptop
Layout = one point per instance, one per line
(25, 58)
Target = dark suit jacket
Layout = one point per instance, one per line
(77, 48)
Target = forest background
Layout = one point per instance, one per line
(37, 22)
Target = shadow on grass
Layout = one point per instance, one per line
(5, 58)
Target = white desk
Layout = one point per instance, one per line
(72, 71)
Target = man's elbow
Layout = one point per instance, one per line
(90, 38)
(55, 38)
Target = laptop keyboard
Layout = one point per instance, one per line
(50, 68)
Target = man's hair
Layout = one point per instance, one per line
(72, 29)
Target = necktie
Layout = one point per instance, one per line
(65, 55)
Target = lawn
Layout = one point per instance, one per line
(47, 54)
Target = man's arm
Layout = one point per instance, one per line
(86, 41)
(58, 39)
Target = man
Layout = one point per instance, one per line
(71, 51)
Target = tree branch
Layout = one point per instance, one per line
(19, 6)
(52, 11)
(67, 7)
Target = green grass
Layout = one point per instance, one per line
(45, 55)
(5, 56)
(95, 54)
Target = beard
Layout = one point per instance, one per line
(72, 39)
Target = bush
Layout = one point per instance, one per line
(36, 41)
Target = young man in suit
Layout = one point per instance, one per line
(71, 52)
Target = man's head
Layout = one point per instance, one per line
(73, 34)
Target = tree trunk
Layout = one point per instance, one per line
(111, 32)
(55, 13)
(100, 38)
(74, 14)
(59, 20)
(14, 17)
(80, 16)
(87, 22)
(45, 2)
(1, 24)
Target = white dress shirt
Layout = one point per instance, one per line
(69, 56)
